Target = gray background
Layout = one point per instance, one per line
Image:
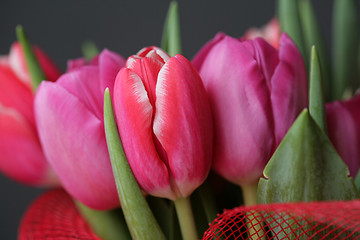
(60, 27)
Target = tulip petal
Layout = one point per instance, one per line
(110, 63)
(289, 94)
(183, 124)
(16, 94)
(344, 132)
(21, 155)
(134, 115)
(70, 132)
(202, 54)
(242, 111)
(17, 62)
(85, 85)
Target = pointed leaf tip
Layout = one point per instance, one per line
(171, 39)
(305, 167)
(35, 70)
(316, 95)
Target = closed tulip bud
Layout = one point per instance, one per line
(255, 93)
(165, 123)
(69, 116)
(343, 120)
(22, 157)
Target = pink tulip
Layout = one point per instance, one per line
(69, 115)
(271, 32)
(21, 157)
(164, 121)
(343, 120)
(255, 92)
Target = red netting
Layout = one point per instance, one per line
(317, 220)
(54, 216)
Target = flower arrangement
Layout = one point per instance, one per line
(155, 145)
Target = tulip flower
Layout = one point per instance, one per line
(22, 157)
(344, 131)
(271, 32)
(164, 121)
(255, 93)
(69, 116)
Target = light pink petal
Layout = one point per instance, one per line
(21, 155)
(183, 124)
(134, 115)
(202, 54)
(240, 102)
(75, 64)
(343, 120)
(110, 64)
(74, 142)
(16, 94)
(85, 83)
(289, 94)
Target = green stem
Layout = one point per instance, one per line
(107, 225)
(250, 194)
(254, 225)
(186, 218)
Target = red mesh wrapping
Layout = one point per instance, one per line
(317, 220)
(54, 216)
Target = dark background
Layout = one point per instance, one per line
(60, 27)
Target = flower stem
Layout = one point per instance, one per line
(254, 224)
(186, 218)
(250, 194)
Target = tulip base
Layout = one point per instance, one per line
(186, 218)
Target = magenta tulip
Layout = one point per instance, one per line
(21, 157)
(343, 120)
(69, 115)
(165, 123)
(255, 92)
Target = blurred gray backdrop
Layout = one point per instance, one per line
(60, 27)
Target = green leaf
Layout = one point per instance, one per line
(357, 180)
(35, 70)
(139, 218)
(108, 225)
(306, 167)
(89, 50)
(171, 39)
(346, 40)
(288, 13)
(316, 96)
(312, 36)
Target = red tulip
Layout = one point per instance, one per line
(21, 157)
(69, 116)
(255, 92)
(164, 121)
(343, 120)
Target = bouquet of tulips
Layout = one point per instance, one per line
(154, 146)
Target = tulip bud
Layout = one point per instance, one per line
(344, 132)
(21, 155)
(255, 93)
(164, 121)
(69, 116)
